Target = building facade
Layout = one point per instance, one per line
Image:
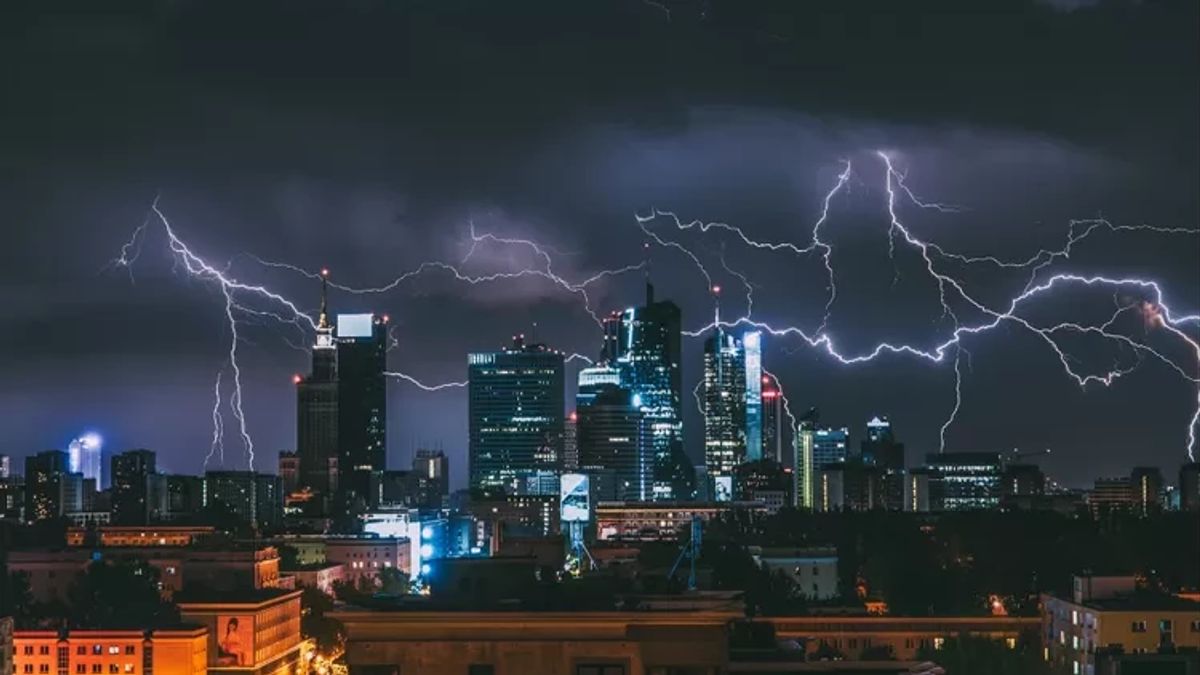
(968, 480)
(254, 633)
(361, 408)
(1104, 613)
(613, 436)
(724, 406)
(515, 410)
(643, 344)
(317, 411)
(131, 475)
(111, 652)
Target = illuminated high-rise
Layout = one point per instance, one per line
(515, 415)
(317, 411)
(84, 457)
(830, 445)
(361, 407)
(772, 423)
(131, 475)
(643, 345)
(724, 404)
(752, 348)
(803, 469)
(614, 438)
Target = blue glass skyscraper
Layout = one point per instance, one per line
(643, 344)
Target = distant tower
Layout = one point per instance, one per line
(515, 416)
(317, 408)
(614, 437)
(772, 422)
(84, 457)
(131, 475)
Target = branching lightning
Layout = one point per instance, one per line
(952, 292)
(279, 309)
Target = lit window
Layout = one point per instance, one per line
(938, 642)
(1011, 642)
(113, 649)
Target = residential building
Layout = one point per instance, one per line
(813, 570)
(1104, 613)
(175, 651)
(1146, 487)
(131, 474)
(364, 556)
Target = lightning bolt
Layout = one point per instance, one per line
(279, 309)
(951, 291)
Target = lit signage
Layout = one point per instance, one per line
(573, 493)
(355, 325)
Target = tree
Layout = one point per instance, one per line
(393, 582)
(328, 633)
(118, 595)
(16, 599)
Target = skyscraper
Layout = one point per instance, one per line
(5, 467)
(1189, 487)
(255, 497)
(317, 409)
(968, 480)
(131, 471)
(362, 407)
(614, 437)
(772, 423)
(571, 442)
(881, 449)
(643, 344)
(803, 470)
(1147, 485)
(84, 457)
(752, 347)
(724, 404)
(830, 445)
(430, 477)
(515, 410)
(45, 475)
(289, 471)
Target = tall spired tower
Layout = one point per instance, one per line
(317, 408)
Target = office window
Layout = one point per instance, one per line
(1166, 625)
(81, 669)
(600, 669)
(27, 669)
(129, 667)
(28, 651)
(113, 649)
(1139, 626)
(114, 669)
(43, 668)
(1196, 626)
(44, 650)
(130, 649)
(96, 668)
(81, 650)
(481, 669)
(97, 649)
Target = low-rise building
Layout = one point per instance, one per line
(813, 570)
(181, 651)
(657, 521)
(537, 643)
(1110, 613)
(139, 535)
(905, 636)
(249, 632)
(365, 556)
(51, 571)
(321, 576)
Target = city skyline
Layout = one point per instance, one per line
(743, 146)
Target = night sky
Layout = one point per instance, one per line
(368, 138)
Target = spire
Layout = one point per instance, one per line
(646, 269)
(323, 319)
(716, 291)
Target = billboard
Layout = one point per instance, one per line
(231, 645)
(723, 488)
(573, 495)
(355, 325)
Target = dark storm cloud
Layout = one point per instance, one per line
(367, 136)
